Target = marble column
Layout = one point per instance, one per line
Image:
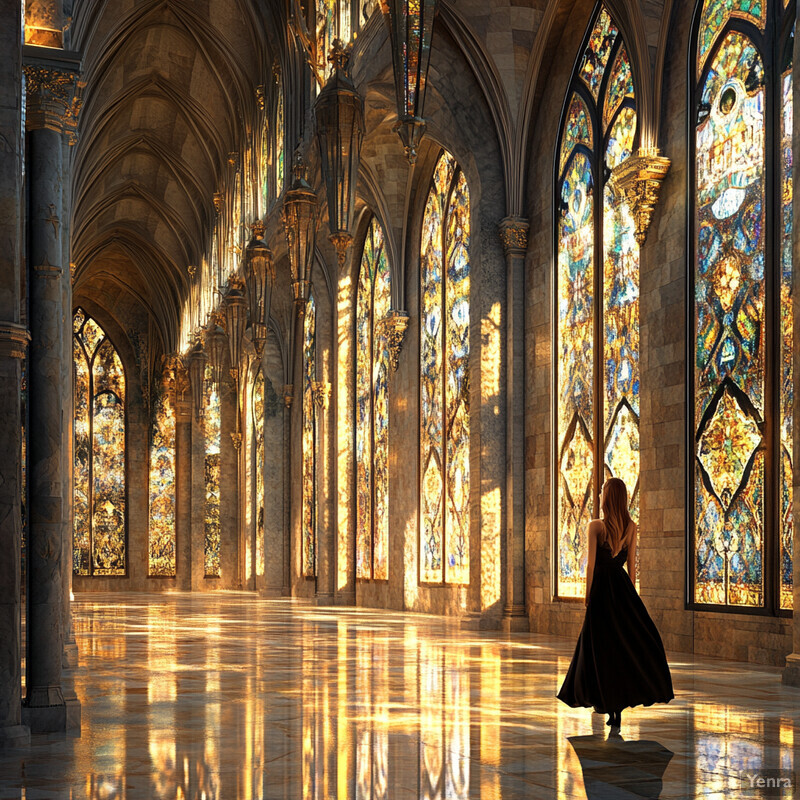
(13, 339)
(514, 235)
(791, 674)
(183, 491)
(51, 89)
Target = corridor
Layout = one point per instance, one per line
(225, 695)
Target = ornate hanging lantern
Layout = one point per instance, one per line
(235, 320)
(197, 374)
(410, 30)
(260, 280)
(300, 217)
(339, 121)
(216, 342)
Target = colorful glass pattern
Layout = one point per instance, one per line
(597, 53)
(716, 14)
(212, 426)
(309, 519)
(258, 470)
(326, 33)
(372, 409)
(577, 130)
(280, 145)
(786, 339)
(444, 356)
(729, 385)
(162, 544)
(264, 167)
(598, 258)
(99, 546)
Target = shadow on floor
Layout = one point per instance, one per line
(619, 769)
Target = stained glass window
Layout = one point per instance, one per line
(597, 300)
(258, 470)
(309, 520)
(161, 545)
(333, 21)
(742, 269)
(280, 143)
(444, 384)
(99, 545)
(372, 409)
(212, 424)
(264, 166)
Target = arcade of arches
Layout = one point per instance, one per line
(263, 330)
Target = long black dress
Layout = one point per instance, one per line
(619, 659)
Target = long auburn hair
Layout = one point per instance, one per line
(616, 518)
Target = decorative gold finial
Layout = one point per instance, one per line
(192, 270)
(639, 178)
(261, 98)
(218, 198)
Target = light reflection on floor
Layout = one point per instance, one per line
(229, 697)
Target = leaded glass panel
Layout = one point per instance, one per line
(162, 543)
(258, 470)
(372, 409)
(212, 425)
(309, 522)
(99, 494)
(444, 385)
(597, 302)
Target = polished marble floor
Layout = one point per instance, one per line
(230, 697)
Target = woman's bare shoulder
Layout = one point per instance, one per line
(595, 526)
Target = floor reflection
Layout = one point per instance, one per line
(615, 767)
(231, 697)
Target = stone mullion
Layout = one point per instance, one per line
(514, 235)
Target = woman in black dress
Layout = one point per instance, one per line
(619, 660)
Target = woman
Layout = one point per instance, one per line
(619, 660)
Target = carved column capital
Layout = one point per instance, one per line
(514, 235)
(639, 179)
(13, 340)
(288, 394)
(395, 325)
(53, 97)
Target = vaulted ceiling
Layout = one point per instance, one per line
(168, 86)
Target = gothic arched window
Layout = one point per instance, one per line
(258, 474)
(309, 521)
(444, 382)
(741, 179)
(99, 545)
(264, 167)
(161, 540)
(596, 351)
(280, 142)
(372, 409)
(212, 427)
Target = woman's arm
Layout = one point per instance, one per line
(632, 553)
(591, 533)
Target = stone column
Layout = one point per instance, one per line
(183, 491)
(514, 235)
(51, 88)
(325, 536)
(13, 339)
(791, 674)
(288, 391)
(230, 555)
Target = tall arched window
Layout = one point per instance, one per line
(161, 540)
(280, 142)
(212, 424)
(264, 166)
(99, 542)
(258, 472)
(309, 521)
(742, 323)
(372, 409)
(444, 381)
(596, 354)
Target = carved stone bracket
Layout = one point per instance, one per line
(514, 235)
(261, 98)
(288, 394)
(639, 178)
(53, 96)
(322, 393)
(13, 340)
(395, 325)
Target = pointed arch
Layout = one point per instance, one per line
(740, 277)
(596, 342)
(100, 493)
